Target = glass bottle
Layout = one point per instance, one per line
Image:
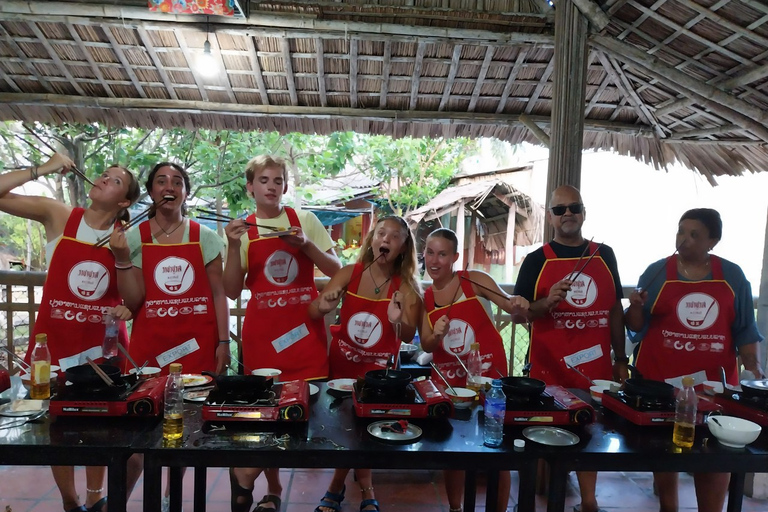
(475, 368)
(41, 369)
(109, 345)
(685, 415)
(494, 410)
(173, 417)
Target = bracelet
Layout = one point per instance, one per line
(223, 341)
(624, 359)
(125, 267)
(33, 173)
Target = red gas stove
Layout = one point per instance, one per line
(287, 401)
(752, 408)
(555, 406)
(420, 399)
(130, 397)
(650, 411)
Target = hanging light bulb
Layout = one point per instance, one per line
(206, 63)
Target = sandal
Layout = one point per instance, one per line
(98, 506)
(81, 508)
(331, 500)
(268, 498)
(239, 492)
(368, 503)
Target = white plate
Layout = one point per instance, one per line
(23, 408)
(342, 385)
(551, 436)
(313, 390)
(193, 395)
(411, 434)
(147, 371)
(193, 379)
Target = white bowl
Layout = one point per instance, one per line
(268, 372)
(712, 387)
(596, 392)
(608, 385)
(407, 351)
(732, 431)
(146, 372)
(463, 397)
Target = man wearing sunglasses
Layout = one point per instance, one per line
(575, 293)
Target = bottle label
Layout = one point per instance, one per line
(41, 372)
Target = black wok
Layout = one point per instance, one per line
(638, 386)
(241, 383)
(87, 376)
(388, 380)
(755, 388)
(522, 387)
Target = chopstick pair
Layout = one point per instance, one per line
(581, 257)
(587, 263)
(72, 168)
(661, 269)
(220, 217)
(135, 220)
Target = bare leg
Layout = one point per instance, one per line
(336, 486)
(244, 479)
(94, 484)
(454, 488)
(505, 483)
(666, 485)
(587, 488)
(365, 479)
(168, 482)
(134, 468)
(710, 490)
(64, 476)
(274, 487)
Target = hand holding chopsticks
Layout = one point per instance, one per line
(220, 217)
(140, 217)
(71, 167)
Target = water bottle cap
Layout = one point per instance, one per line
(474, 346)
(688, 381)
(496, 383)
(175, 367)
(41, 338)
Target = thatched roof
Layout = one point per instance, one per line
(668, 80)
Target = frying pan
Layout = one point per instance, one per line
(85, 375)
(639, 386)
(388, 380)
(522, 387)
(241, 383)
(755, 388)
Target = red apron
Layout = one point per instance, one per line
(690, 329)
(365, 339)
(277, 332)
(79, 290)
(578, 331)
(469, 324)
(177, 321)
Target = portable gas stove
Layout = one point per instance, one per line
(642, 410)
(555, 406)
(752, 408)
(420, 399)
(131, 397)
(287, 401)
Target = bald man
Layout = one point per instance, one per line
(576, 319)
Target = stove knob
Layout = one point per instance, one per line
(441, 410)
(582, 416)
(292, 412)
(143, 407)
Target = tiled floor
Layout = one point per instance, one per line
(31, 489)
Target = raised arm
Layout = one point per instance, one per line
(484, 286)
(331, 295)
(234, 275)
(221, 306)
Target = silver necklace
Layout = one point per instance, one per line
(377, 287)
(168, 233)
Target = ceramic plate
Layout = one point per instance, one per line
(23, 408)
(192, 379)
(313, 390)
(551, 436)
(147, 371)
(411, 434)
(193, 395)
(341, 385)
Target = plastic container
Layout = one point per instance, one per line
(109, 345)
(494, 410)
(475, 367)
(41, 369)
(173, 416)
(685, 415)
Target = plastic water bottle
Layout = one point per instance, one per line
(41, 369)
(495, 408)
(685, 415)
(475, 367)
(109, 345)
(173, 417)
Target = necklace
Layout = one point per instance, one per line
(377, 287)
(168, 233)
(685, 270)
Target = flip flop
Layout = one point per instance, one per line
(368, 503)
(268, 498)
(98, 506)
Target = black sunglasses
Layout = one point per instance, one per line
(575, 208)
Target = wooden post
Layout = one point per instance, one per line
(509, 245)
(473, 240)
(569, 78)
(460, 234)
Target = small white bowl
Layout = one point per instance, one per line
(712, 387)
(146, 372)
(463, 397)
(733, 432)
(268, 372)
(26, 379)
(608, 385)
(596, 392)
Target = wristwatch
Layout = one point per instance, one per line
(624, 359)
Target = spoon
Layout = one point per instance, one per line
(30, 419)
(461, 363)
(712, 418)
(591, 382)
(130, 359)
(443, 377)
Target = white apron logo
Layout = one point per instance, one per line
(281, 268)
(459, 338)
(583, 292)
(174, 276)
(364, 329)
(88, 280)
(697, 311)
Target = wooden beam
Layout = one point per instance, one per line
(147, 42)
(191, 63)
(20, 53)
(722, 142)
(87, 55)
(593, 13)
(540, 86)
(706, 132)
(164, 105)
(321, 71)
(509, 244)
(489, 51)
(417, 74)
(449, 81)
(386, 67)
(257, 71)
(55, 57)
(521, 55)
(216, 52)
(285, 47)
(126, 65)
(353, 72)
(535, 129)
(9, 81)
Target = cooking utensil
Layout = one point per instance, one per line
(235, 383)
(440, 374)
(661, 269)
(388, 380)
(755, 388)
(458, 358)
(28, 419)
(130, 359)
(107, 380)
(85, 375)
(581, 257)
(591, 382)
(135, 220)
(551, 436)
(16, 359)
(649, 388)
(522, 387)
(714, 420)
(587, 263)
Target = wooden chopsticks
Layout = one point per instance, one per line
(588, 260)
(581, 257)
(100, 372)
(135, 220)
(73, 168)
(661, 269)
(219, 217)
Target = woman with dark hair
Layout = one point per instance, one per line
(453, 320)
(380, 291)
(81, 275)
(694, 295)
